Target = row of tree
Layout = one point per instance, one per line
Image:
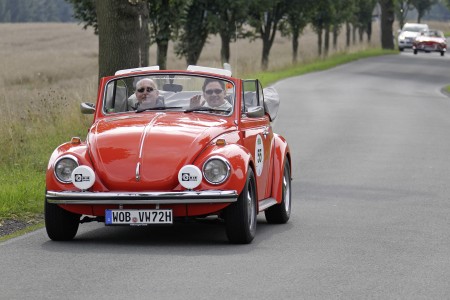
(15, 11)
(127, 28)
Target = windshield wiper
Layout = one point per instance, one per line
(208, 109)
(157, 108)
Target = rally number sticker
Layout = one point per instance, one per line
(259, 155)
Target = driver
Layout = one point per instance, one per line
(145, 96)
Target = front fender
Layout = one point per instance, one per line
(79, 151)
(239, 159)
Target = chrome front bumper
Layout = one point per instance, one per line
(185, 197)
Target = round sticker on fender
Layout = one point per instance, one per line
(190, 177)
(259, 155)
(83, 177)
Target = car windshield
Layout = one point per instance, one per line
(169, 92)
(413, 28)
(433, 33)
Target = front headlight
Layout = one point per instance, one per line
(216, 170)
(64, 167)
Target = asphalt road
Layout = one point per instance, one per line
(370, 220)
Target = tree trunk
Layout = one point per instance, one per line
(319, 42)
(268, 31)
(387, 19)
(327, 40)
(265, 55)
(354, 34)
(225, 48)
(348, 33)
(335, 36)
(123, 35)
(163, 35)
(295, 35)
(161, 54)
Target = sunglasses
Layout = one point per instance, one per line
(149, 89)
(216, 91)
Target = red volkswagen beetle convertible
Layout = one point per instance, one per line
(169, 145)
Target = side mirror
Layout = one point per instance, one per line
(255, 112)
(87, 108)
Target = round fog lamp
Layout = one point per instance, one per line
(190, 177)
(83, 177)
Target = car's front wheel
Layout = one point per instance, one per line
(280, 213)
(61, 225)
(241, 216)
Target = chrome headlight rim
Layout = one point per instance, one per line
(227, 167)
(68, 156)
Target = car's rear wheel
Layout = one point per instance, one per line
(280, 213)
(61, 225)
(241, 216)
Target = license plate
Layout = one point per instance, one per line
(138, 217)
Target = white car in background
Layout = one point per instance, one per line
(408, 33)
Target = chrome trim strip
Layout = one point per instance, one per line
(138, 170)
(185, 197)
(266, 203)
(146, 129)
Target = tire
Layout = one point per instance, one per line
(442, 53)
(61, 225)
(280, 213)
(241, 216)
(401, 49)
(415, 51)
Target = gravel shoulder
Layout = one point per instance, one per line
(10, 226)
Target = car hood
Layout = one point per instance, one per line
(152, 145)
(408, 34)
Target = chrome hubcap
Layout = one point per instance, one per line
(250, 207)
(287, 192)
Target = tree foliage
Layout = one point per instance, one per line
(165, 22)
(189, 23)
(194, 31)
(422, 6)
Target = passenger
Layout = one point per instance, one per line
(145, 96)
(214, 93)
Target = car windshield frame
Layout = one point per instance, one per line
(174, 93)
